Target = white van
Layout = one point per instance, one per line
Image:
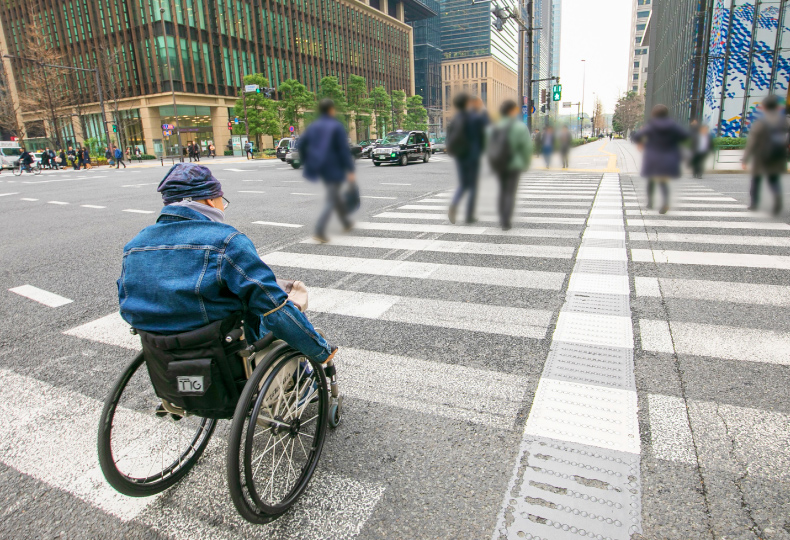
(9, 154)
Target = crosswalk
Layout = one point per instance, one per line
(515, 354)
(711, 288)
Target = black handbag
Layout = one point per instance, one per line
(352, 198)
(196, 371)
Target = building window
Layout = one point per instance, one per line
(447, 98)
(636, 76)
(635, 89)
(636, 64)
(484, 92)
(642, 14)
(640, 27)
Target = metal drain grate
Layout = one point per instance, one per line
(612, 367)
(573, 491)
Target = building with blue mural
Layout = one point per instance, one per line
(716, 60)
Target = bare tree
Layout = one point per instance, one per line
(108, 62)
(628, 113)
(45, 88)
(599, 124)
(10, 111)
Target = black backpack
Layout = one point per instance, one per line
(457, 142)
(500, 153)
(776, 142)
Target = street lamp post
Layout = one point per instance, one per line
(172, 87)
(584, 82)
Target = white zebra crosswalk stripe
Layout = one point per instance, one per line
(473, 231)
(490, 219)
(713, 291)
(686, 238)
(728, 342)
(701, 213)
(743, 260)
(522, 210)
(766, 226)
(476, 248)
(519, 322)
(418, 270)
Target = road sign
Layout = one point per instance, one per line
(566, 104)
(291, 129)
(167, 126)
(533, 109)
(167, 133)
(235, 120)
(251, 88)
(524, 110)
(556, 92)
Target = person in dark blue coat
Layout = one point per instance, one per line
(325, 155)
(660, 139)
(467, 146)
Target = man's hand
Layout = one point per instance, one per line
(743, 165)
(352, 177)
(331, 356)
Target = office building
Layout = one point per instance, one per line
(211, 46)
(716, 63)
(476, 58)
(547, 17)
(639, 55)
(428, 66)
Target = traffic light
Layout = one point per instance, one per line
(114, 128)
(230, 126)
(556, 92)
(542, 108)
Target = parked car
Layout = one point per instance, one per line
(292, 158)
(437, 145)
(284, 146)
(9, 154)
(367, 151)
(401, 147)
(356, 149)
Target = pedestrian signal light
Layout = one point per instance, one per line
(114, 128)
(230, 126)
(556, 92)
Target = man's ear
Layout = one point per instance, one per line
(209, 202)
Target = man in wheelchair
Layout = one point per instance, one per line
(191, 269)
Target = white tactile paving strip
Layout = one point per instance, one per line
(577, 474)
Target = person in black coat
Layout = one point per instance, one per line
(660, 140)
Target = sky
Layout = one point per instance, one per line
(598, 31)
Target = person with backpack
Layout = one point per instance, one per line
(766, 148)
(509, 154)
(119, 158)
(660, 139)
(465, 141)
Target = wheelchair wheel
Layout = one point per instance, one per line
(143, 449)
(277, 434)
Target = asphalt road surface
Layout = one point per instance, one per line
(600, 371)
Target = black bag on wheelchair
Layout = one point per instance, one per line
(197, 371)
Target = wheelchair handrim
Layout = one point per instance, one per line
(315, 448)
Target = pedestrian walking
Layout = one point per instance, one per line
(118, 158)
(465, 142)
(766, 149)
(660, 140)
(611, 136)
(547, 145)
(45, 158)
(53, 164)
(212, 150)
(61, 159)
(509, 154)
(86, 159)
(109, 156)
(190, 151)
(565, 140)
(72, 157)
(197, 149)
(248, 150)
(701, 146)
(325, 155)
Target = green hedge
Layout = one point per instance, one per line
(228, 153)
(733, 142)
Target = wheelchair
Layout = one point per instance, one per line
(160, 416)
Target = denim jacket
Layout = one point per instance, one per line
(187, 271)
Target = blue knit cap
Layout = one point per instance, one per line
(189, 181)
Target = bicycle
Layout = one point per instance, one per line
(35, 168)
(279, 402)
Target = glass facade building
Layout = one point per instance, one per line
(716, 63)
(212, 44)
(638, 59)
(428, 65)
(547, 19)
